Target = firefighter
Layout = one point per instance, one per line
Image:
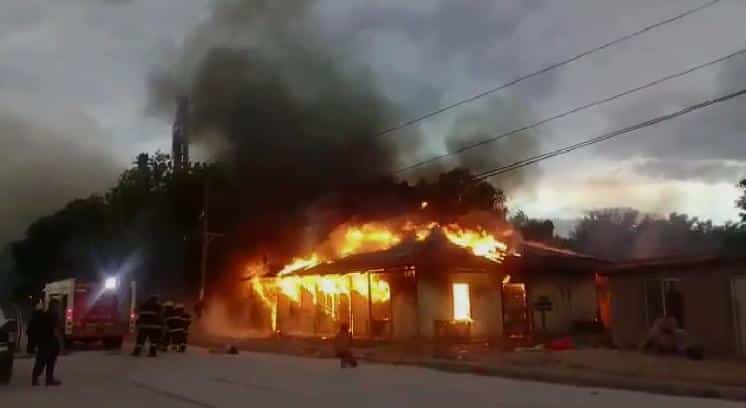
(182, 331)
(170, 323)
(149, 326)
(47, 331)
(32, 330)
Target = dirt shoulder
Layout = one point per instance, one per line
(603, 368)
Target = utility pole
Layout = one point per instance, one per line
(205, 241)
(207, 236)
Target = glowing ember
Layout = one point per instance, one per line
(424, 205)
(461, 302)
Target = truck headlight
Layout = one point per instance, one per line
(111, 283)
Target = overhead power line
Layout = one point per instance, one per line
(571, 112)
(651, 122)
(548, 68)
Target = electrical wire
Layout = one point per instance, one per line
(570, 112)
(650, 122)
(548, 68)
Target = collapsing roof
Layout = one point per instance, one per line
(437, 250)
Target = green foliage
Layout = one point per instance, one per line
(458, 192)
(535, 230)
(619, 234)
(741, 203)
(149, 210)
(156, 210)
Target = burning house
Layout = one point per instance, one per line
(427, 282)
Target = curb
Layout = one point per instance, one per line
(551, 376)
(597, 381)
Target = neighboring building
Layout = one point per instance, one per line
(434, 289)
(180, 136)
(566, 278)
(707, 295)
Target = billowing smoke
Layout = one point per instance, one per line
(295, 113)
(295, 118)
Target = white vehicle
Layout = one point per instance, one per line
(92, 311)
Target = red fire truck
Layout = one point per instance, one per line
(92, 312)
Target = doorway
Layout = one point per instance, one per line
(516, 323)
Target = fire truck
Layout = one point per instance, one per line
(93, 311)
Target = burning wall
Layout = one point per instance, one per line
(297, 301)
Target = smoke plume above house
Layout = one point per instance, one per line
(287, 103)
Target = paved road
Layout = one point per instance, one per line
(199, 379)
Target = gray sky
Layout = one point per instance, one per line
(73, 93)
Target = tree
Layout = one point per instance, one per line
(68, 243)
(149, 211)
(741, 203)
(458, 192)
(606, 233)
(534, 230)
(621, 234)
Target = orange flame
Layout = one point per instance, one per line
(461, 302)
(354, 239)
(480, 242)
(299, 264)
(365, 238)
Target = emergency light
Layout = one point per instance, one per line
(111, 283)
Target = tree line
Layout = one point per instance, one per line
(147, 225)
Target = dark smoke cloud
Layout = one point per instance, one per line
(46, 166)
(476, 32)
(260, 77)
(714, 133)
(291, 98)
(485, 123)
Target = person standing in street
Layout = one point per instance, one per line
(149, 326)
(170, 324)
(47, 331)
(181, 333)
(32, 329)
(342, 345)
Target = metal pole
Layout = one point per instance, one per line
(205, 242)
(316, 308)
(349, 300)
(277, 307)
(133, 306)
(370, 308)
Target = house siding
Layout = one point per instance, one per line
(708, 312)
(573, 299)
